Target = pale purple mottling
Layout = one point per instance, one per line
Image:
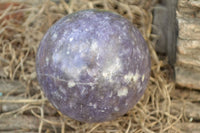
(93, 65)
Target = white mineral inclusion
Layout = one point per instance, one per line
(54, 37)
(47, 60)
(107, 18)
(71, 104)
(57, 95)
(93, 105)
(136, 77)
(111, 94)
(94, 46)
(86, 29)
(143, 76)
(109, 71)
(60, 43)
(83, 47)
(83, 90)
(71, 39)
(64, 67)
(130, 76)
(139, 89)
(73, 71)
(122, 92)
(116, 109)
(71, 84)
(126, 103)
(62, 89)
(57, 57)
(67, 52)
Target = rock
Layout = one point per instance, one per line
(93, 65)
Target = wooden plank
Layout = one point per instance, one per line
(189, 28)
(23, 122)
(188, 47)
(189, 109)
(187, 77)
(194, 3)
(193, 60)
(185, 94)
(7, 107)
(190, 52)
(189, 3)
(188, 44)
(31, 123)
(184, 8)
(183, 3)
(11, 87)
(188, 127)
(19, 131)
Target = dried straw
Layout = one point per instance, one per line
(19, 40)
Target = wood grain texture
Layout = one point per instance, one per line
(188, 45)
(185, 94)
(11, 87)
(188, 127)
(193, 60)
(7, 107)
(187, 77)
(188, 8)
(189, 28)
(195, 3)
(30, 123)
(189, 109)
(184, 45)
(23, 122)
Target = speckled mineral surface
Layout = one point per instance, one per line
(93, 65)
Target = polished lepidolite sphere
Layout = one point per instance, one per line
(93, 65)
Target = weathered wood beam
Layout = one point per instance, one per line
(187, 77)
(9, 106)
(189, 28)
(191, 44)
(24, 122)
(185, 94)
(190, 60)
(11, 87)
(194, 3)
(29, 123)
(188, 47)
(188, 127)
(189, 109)
(188, 7)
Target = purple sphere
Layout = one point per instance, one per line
(93, 65)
